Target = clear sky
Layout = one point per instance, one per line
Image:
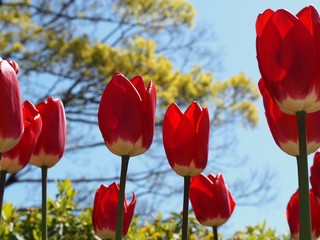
(233, 22)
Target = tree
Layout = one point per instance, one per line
(71, 48)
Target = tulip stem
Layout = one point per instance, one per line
(215, 232)
(2, 186)
(302, 164)
(123, 177)
(44, 226)
(185, 207)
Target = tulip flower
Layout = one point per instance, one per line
(105, 211)
(126, 119)
(293, 215)
(185, 138)
(284, 127)
(52, 140)
(315, 176)
(211, 199)
(126, 115)
(288, 53)
(11, 118)
(50, 146)
(18, 157)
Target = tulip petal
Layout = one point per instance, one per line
(193, 113)
(201, 197)
(184, 142)
(138, 83)
(262, 20)
(315, 176)
(310, 18)
(171, 121)
(202, 140)
(128, 215)
(149, 116)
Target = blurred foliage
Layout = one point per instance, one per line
(67, 221)
(259, 232)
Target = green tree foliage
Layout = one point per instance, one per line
(47, 38)
(66, 221)
(259, 232)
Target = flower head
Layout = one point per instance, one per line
(126, 115)
(105, 211)
(293, 215)
(52, 140)
(11, 117)
(211, 199)
(288, 53)
(186, 138)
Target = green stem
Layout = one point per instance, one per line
(2, 186)
(44, 227)
(215, 232)
(185, 207)
(123, 177)
(302, 163)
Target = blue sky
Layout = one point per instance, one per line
(233, 22)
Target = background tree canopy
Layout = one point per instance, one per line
(71, 48)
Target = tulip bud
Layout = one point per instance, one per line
(288, 53)
(293, 215)
(52, 140)
(11, 118)
(211, 199)
(186, 139)
(126, 115)
(104, 212)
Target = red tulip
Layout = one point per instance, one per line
(19, 156)
(315, 176)
(105, 211)
(288, 53)
(11, 118)
(52, 140)
(185, 138)
(293, 215)
(211, 199)
(284, 127)
(126, 115)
